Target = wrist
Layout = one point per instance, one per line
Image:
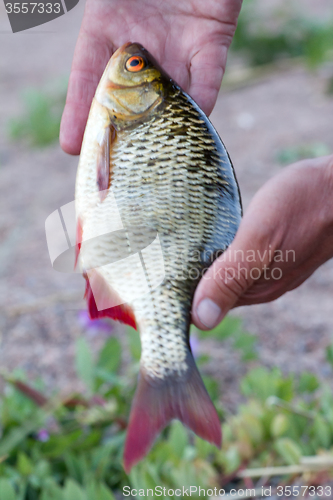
(326, 204)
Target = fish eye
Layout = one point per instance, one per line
(135, 63)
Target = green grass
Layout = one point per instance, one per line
(301, 151)
(66, 449)
(39, 122)
(282, 33)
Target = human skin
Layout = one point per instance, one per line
(292, 212)
(189, 38)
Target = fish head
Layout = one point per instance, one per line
(132, 86)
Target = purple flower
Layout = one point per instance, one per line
(43, 435)
(194, 343)
(94, 325)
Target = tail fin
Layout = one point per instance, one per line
(157, 402)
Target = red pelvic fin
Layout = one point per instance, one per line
(106, 296)
(156, 402)
(103, 161)
(78, 240)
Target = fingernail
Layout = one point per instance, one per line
(208, 313)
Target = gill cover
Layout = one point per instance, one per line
(132, 86)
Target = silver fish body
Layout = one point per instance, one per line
(172, 206)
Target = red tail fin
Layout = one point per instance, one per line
(156, 402)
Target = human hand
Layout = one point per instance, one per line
(189, 39)
(285, 235)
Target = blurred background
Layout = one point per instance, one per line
(67, 382)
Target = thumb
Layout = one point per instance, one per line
(225, 282)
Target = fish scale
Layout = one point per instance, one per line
(170, 181)
(126, 151)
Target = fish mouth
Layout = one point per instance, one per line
(117, 86)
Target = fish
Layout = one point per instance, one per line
(157, 201)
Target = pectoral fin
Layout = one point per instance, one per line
(103, 161)
(78, 240)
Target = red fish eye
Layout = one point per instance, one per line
(135, 63)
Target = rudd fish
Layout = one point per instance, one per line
(156, 201)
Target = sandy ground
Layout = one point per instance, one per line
(40, 308)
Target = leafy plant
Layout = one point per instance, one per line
(56, 449)
(231, 328)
